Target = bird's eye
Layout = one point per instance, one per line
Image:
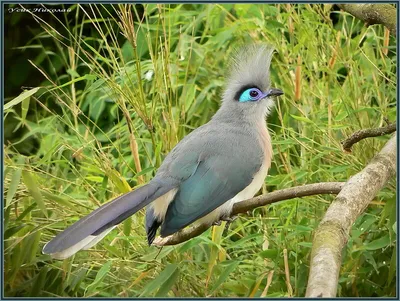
(252, 94)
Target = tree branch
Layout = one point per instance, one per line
(332, 233)
(384, 14)
(366, 133)
(262, 200)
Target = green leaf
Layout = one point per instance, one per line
(305, 244)
(25, 108)
(38, 285)
(216, 237)
(58, 199)
(33, 189)
(100, 57)
(76, 279)
(189, 244)
(127, 226)
(24, 95)
(252, 238)
(85, 77)
(269, 253)
(16, 262)
(156, 254)
(369, 258)
(97, 106)
(119, 181)
(31, 246)
(99, 276)
(90, 77)
(377, 243)
(166, 287)
(127, 51)
(342, 115)
(144, 171)
(26, 211)
(364, 227)
(13, 230)
(392, 266)
(339, 168)
(127, 231)
(224, 275)
(301, 228)
(159, 280)
(12, 189)
(96, 179)
(115, 251)
(304, 119)
(73, 73)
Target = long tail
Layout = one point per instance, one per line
(86, 232)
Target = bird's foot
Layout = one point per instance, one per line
(224, 218)
(217, 223)
(228, 219)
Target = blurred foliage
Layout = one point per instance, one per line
(108, 90)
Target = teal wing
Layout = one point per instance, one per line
(215, 180)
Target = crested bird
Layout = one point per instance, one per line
(218, 164)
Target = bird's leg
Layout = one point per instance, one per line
(228, 219)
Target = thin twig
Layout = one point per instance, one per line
(132, 142)
(269, 281)
(287, 273)
(367, 133)
(247, 205)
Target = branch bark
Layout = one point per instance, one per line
(366, 133)
(384, 14)
(247, 205)
(332, 233)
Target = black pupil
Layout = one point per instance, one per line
(253, 93)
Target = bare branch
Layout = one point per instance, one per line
(332, 233)
(247, 205)
(366, 133)
(384, 14)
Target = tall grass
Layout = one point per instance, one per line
(146, 76)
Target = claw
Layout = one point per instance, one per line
(217, 223)
(228, 219)
(224, 218)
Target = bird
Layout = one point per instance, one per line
(218, 164)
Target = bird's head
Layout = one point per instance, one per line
(248, 90)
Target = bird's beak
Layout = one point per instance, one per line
(274, 92)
